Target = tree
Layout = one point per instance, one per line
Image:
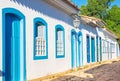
(112, 19)
(96, 8)
(101, 9)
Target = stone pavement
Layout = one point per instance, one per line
(105, 72)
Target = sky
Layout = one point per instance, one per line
(84, 2)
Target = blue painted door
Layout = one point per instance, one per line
(74, 50)
(97, 47)
(12, 48)
(79, 55)
(93, 49)
(88, 49)
(100, 48)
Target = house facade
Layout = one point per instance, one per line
(38, 39)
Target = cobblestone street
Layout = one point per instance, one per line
(109, 71)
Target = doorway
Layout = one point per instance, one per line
(13, 45)
(92, 49)
(88, 48)
(74, 49)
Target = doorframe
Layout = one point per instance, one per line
(88, 42)
(100, 48)
(73, 60)
(22, 17)
(93, 56)
(80, 49)
(97, 49)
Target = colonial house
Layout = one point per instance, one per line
(38, 38)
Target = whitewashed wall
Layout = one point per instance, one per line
(53, 16)
(110, 39)
(91, 32)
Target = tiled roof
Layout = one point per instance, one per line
(97, 23)
(71, 4)
(93, 21)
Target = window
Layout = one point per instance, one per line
(40, 42)
(113, 48)
(117, 49)
(40, 39)
(60, 41)
(105, 47)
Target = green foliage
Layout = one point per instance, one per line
(96, 8)
(114, 14)
(113, 19)
(101, 9)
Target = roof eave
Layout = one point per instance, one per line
(111, 33)
(93, 21)
(64, 5)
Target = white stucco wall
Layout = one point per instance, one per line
(91, 32)
(105, 36)
(53, 16)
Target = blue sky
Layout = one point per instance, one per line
(84, 2)
(117, 2)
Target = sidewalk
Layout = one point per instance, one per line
(109, 71)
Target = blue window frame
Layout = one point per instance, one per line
(60, 41)
(40, 39)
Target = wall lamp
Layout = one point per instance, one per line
(76, 21)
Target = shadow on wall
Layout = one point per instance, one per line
(42, 7)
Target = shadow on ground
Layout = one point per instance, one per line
(104, 72)
(73, 78)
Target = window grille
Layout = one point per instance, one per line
(40, 41)
(40, 46)
(60, 50)
(60, 41)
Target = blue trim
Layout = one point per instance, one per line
(61, 28)
(107, 50)
(73, 61)
(24, 25)
(97, 50)
(80, 49)
(22, 18)
(93, 49)
(88, 48)
(43, 22)
(100, 48)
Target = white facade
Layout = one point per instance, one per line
(53, 16)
